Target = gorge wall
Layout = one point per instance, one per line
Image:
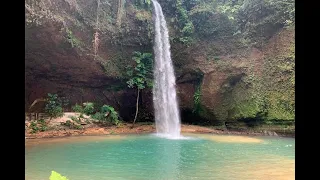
(234, 60)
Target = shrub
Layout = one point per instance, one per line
(77, 108)
(34, 127)
(54, 105)
(37, 126)
(98, 116)
(113, 116)
(107, 114)
(43, 125)
(74, 118)
(68, 123)
(71, 125)
(76, 126)
(88, 108)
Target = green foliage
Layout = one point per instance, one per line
(254, 20)
(34, 127)
(143, 3)
(140, 74)
(54, 104)
(143, 15)
(185, 40)
(229, 8)
(75, 119)
(73, 40)
(188, 29)
(274, 10)
(112, 114)
(98, 116)
(258, 20)
(196, 100)
(55, 111)
(185, 24)
(203, 18)
(88, 108)
(267, 96)
(77, 108)
(37, 126)
(68, 123)
(72, 125)
(250, 108)
(197, 93)
(106, 108)
(56, 176)
(107, 114)
(280, 106)
(147, 2)
(213, 19)
(182, 12)
(43, 125)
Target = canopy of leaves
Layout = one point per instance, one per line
(254, 20)
(143, 3)
(261, 19)
(140, 74)
(77, 108)
(107, 114)
(88, 108)
(54, 105)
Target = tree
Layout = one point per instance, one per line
(140, 75)
(259, 20)
(54, 105)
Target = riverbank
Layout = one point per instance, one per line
(141, 128)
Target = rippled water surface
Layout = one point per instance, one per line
(144, 157)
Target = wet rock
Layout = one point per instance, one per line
(269, 133)
(275, 134)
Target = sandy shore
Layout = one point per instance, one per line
(126, 129)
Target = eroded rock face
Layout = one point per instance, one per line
(59, 54)
(234, 82)
(258, 85)
(245, 83)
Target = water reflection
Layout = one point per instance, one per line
(170, 159)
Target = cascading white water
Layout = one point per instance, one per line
(167, 116)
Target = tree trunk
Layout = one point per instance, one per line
(137, 108)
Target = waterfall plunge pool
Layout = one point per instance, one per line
(139, 157)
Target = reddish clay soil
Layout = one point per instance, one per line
(126, 129)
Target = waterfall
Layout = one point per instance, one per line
(167, 115)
